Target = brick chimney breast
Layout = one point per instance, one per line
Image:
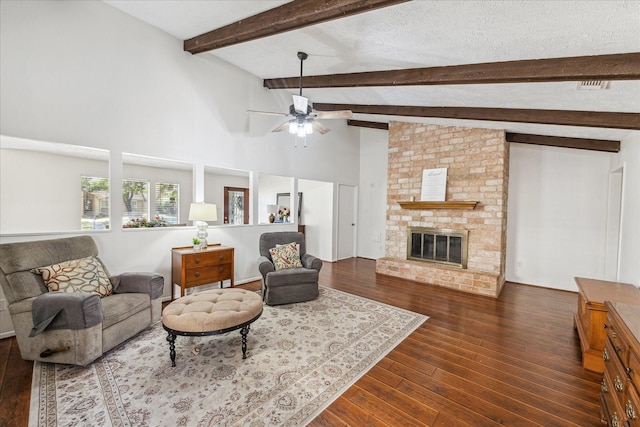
(477, 162)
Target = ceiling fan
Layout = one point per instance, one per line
(302, 118)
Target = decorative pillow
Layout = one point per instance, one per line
(293, 245)
(285, 256)
(78, 275)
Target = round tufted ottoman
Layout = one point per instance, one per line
(212, 312)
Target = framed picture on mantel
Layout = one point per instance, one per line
(434, 185)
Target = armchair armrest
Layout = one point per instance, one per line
(310, 261)
(265, 266)
(62, 310)
(143, 283)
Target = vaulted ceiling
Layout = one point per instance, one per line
(513, 65)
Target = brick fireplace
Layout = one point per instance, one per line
(477, 162)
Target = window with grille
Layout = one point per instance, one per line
(95, 203)
(135, 201)
(167, 202)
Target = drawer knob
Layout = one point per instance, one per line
(197, 260)
(615, 421)
(605, 355)
(629, 410)
(221, 257)
(617, 384)
(604, 387)
(221, 270)
(197, 274)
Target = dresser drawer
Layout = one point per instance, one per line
(207, 274)
(618, 344)
(613, 407)
(208, 258)
(616, 372)
(634, 368)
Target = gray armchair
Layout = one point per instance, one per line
(72, 328)
(293, 284)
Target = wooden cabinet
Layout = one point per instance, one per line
(191, 267)
(620, 383)
(591, 316)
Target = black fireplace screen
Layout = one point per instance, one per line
(438, 245)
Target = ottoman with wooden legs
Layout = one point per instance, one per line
(211, 312)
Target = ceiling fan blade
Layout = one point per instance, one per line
(300, 104)
(319, 127)
(340, 114)
(282, 127)
(269, 113)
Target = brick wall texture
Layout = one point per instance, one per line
(477, 162)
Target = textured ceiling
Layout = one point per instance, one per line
(431, 33)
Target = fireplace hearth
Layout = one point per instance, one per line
(438, 245)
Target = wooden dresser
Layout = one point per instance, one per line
(190, 267)
(591, 316)
(619, 397)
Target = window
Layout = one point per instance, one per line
(135, 201)
(236, 205)
(95, 203)
(167, 202)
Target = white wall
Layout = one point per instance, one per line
(629, 156)
(372, 192)
(556, 220)
(41, 191)
(84, 73)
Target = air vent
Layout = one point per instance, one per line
(593, 85)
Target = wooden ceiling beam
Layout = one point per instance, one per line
(622, 66)
(565, 142)
(290, 16)
(597, 119)
(368, 124)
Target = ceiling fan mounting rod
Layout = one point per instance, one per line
(302, 56)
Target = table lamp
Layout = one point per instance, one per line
(201, 213)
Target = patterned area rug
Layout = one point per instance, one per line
(300, 358)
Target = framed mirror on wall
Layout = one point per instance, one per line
(52, 187)
(283, 200)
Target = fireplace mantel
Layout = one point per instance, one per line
(452, 204)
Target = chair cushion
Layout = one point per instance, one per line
(292, 276)
(79, 275)
(285, 256)
(117, 307)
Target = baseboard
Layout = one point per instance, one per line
(7, 334)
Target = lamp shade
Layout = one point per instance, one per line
(272, 209)
(203, 212)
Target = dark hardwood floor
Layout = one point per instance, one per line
(477, 361)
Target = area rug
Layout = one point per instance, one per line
(300, 358)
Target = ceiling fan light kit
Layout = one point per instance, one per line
(302, 119)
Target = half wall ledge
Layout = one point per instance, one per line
(466, 280)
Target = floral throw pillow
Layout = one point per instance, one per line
(78, 275)
(285, 256)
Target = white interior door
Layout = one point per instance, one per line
(346, 221)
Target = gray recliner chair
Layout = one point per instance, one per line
(289, 285)
(73, 327)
